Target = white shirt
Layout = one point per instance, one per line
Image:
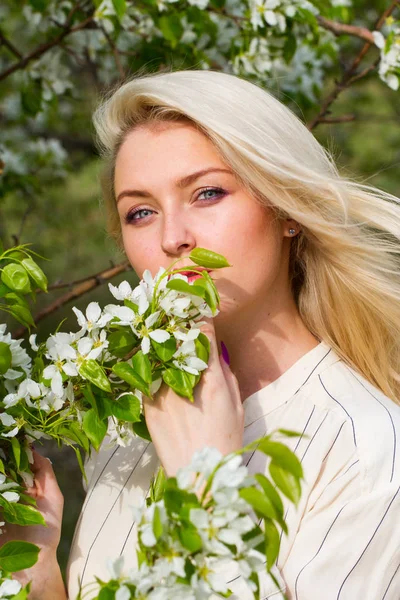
(344, 537)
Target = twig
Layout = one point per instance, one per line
(341, 119)
(78, 290)
(115, 52)
(343, 29)
(16, 237)
(43, 48)
(5, 42)
(69, 284)
(350, 76)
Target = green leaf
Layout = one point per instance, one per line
(120, 343)
(16, 278)
(14, 298)
(208, 259)
(36, 273)
(126, 408)
(171, 28)
(4, 290)
(272, 540)
(259, 501)
(140, 428)
(270, 491)
(142, 366)
(15, 556)
(190, 538)
(202, 352)
(94, 428)
(39, 5)
(120, 8)
(289, 48)
(91, 370)
(106, 593)
(158, 485)
(16, 448)
(286, 482)
(125, 372)
(166, 350)
(5, 357)
(290, 433)
(283, 456)
(31, 95)
(179, 382)
(21, 314)
(210, 294)
(20, 514)
(175, 498)
(73, 431)
(186, 288)
(157, 523)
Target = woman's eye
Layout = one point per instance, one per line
(132, 215)
(215, 192)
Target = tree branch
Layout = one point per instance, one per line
(350, 76)
(5, 42)
(43, 48)
(341, 119)
(343, 29)
(115, 52)
(82, 287)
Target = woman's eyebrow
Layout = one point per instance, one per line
(181, 183)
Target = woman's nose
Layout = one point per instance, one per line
(177, 236)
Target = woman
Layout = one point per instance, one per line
(310, 314)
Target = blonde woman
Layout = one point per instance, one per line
(310, 316)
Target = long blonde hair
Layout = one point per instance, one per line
(345, 263)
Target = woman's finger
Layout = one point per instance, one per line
(45, 482)
(231, 382)
(209, 330)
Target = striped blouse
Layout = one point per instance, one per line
(344, 536)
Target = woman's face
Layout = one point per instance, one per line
(168, 205)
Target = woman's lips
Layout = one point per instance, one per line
(193, 277)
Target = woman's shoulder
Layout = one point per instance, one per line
(374, 419)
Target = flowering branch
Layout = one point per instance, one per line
(349, 76)
(43, 48)
(80, 288)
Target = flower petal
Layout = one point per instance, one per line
(159, 335)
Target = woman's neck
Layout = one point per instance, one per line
(262, 345)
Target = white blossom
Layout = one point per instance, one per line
(9, 587)
(94, 318)
(186, 358)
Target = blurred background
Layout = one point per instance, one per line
(50, 192)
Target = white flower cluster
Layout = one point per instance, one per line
(275, 12)
(389, 66)
(178, 307)
(20, 362)
(67, 354)
(220, 527)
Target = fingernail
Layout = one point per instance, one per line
(225, 353)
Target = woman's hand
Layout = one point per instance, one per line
(45, 575)
(216, 418)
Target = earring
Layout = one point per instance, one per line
(292, 231)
